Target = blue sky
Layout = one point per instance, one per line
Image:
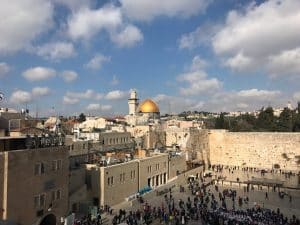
(86, 55)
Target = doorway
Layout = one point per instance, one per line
(48, 220)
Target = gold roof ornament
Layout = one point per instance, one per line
(148, 106)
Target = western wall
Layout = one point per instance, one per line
(255, 149)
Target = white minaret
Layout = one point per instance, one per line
(133, 102)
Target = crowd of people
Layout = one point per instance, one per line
(203, 206)
(246, 169)
(96, 219)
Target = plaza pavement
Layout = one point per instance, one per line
(255, 197)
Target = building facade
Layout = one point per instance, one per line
(112, 184)
(34, 182)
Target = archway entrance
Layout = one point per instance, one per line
(48, 220)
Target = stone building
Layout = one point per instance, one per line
(147, 112)
(148, 137)
(177, 165)
(107, 140)
(112, 184)
(34, 177)
(193, 140)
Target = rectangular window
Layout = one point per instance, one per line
(59, 164)
(108, 181)
(58, 194)
(42, 199)
(39, 168)
(36, 201)
(42, 168)
(56, 165)
(53, 195)
(112, 180)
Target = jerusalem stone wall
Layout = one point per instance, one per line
(255, 149)
(1, 182)
(177, 165)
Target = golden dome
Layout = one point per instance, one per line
(148, 106)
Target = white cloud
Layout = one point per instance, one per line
(196, 79)
(175, 104)
(98, 107)
(69, 75)
(106, 107)
(116, 95)
(245, 100)
(261, 34)
(75, 97)
(198, 83)
(93, 107)
(39, 74)
(127, 37)
(20, 97)
(22, 22)
(198, 63)
(86, 22)
(74, 5)
(88, 94)
(239, 62)
(115, 80)
(97, 61)
(40, 91)
(4, 69)
(297, 96)
(56, 50)
(98, 96)
(285, 63)
(242, 105)
(201, 36)
(255, 93)
(145, 10)
(69, 100)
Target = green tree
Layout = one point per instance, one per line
(285, 120)
(221, 123)
(81, 118)
(296, 122)
(266, 120)
(244, 123)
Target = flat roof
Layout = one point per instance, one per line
(10, 137)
